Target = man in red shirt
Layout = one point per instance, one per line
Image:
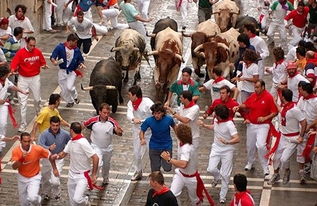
(242, 197)
(296, 21)
(225, 99)
(259, 109)
(28, 63)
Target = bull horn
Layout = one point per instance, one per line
(178, 56)
(150, 35)
(153, 53)
(114, 49)
(86, 88)
(110, 87)
(223, 46)
(199, 47)
(216, 12)
(136, 49)
(210, 36)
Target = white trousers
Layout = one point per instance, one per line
(261, 69)
(27, 84)
(104, 160)
(29, 190)
(184, 11)
(143, 6)
(67, 85)
(3, 123)
(297, 36)
(256, 140)
(138, 149)
(76, 186)
(179, 182)
(225, 170)
(112, 15)
(47, 23)
(285, 150)
(138, 26)
(50, 183)
(277, 27)
(60, 11)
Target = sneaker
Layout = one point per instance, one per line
(105, 181)
(22, 128)
(137, 176)
(248, 167)
(46, 198)
(222, 200)
(286, 176)
(275, 177)
(302, 177)
(214, 183)
(77, 101)
(70, 104)
(266, 171)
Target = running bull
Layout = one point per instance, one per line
(105, 84)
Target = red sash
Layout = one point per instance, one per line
(291, 134)
(11, 115)
(309, 147)
(90, 184)
(272, 132)
(178, 5)
(200, 188)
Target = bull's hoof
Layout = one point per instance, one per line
(197, 72)
(125, 79)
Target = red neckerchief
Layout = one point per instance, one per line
(162, 191)
(279, 62)
(252, 36)
(286, 107)
(2, 82)
(77, 137)
(238, 196)
(219, 79)
(191, 103)
(136, 103)
(310, 96)
(66, 44)
(291, 76)
(20, 18)
(181, 144)
(190, 82)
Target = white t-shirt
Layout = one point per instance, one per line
(4, 89)
(260, 46)
(80, 152)
(249, 72)
(279, 72)
(223, 130)
(25, 24)
(308, 108)
(69, 55)
(293, 117)
(215, 87)
(186, 153)
(83, 30)
(292, 84)
(191, 113)
(2, 56)
(141, 113)
(101, 134)
(8, 31)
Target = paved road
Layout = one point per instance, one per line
(121, 190)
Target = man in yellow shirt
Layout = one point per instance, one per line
(42, 121)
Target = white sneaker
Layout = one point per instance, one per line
(266, 171)
(275, 178)
(22, 128)
(215, 182)
(248, 167)
(222, 200)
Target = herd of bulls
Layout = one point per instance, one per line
(213, 43)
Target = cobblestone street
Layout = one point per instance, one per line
(121, 191)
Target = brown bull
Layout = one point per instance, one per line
(226, 13)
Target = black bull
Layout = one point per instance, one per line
(105, 84)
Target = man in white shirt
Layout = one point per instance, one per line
(222, 149)
(292, 127)
(84, 29)
(79, 175)
(19, 19)
(138, 110)
(216, 83)
(259, 45)
(5, 30)
(47, 14)
(103, 127)
(186, 173)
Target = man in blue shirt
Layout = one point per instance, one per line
(161, 139)
(69, 58)
(54, 139)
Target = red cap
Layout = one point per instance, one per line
(4, 21)
(291, 65)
